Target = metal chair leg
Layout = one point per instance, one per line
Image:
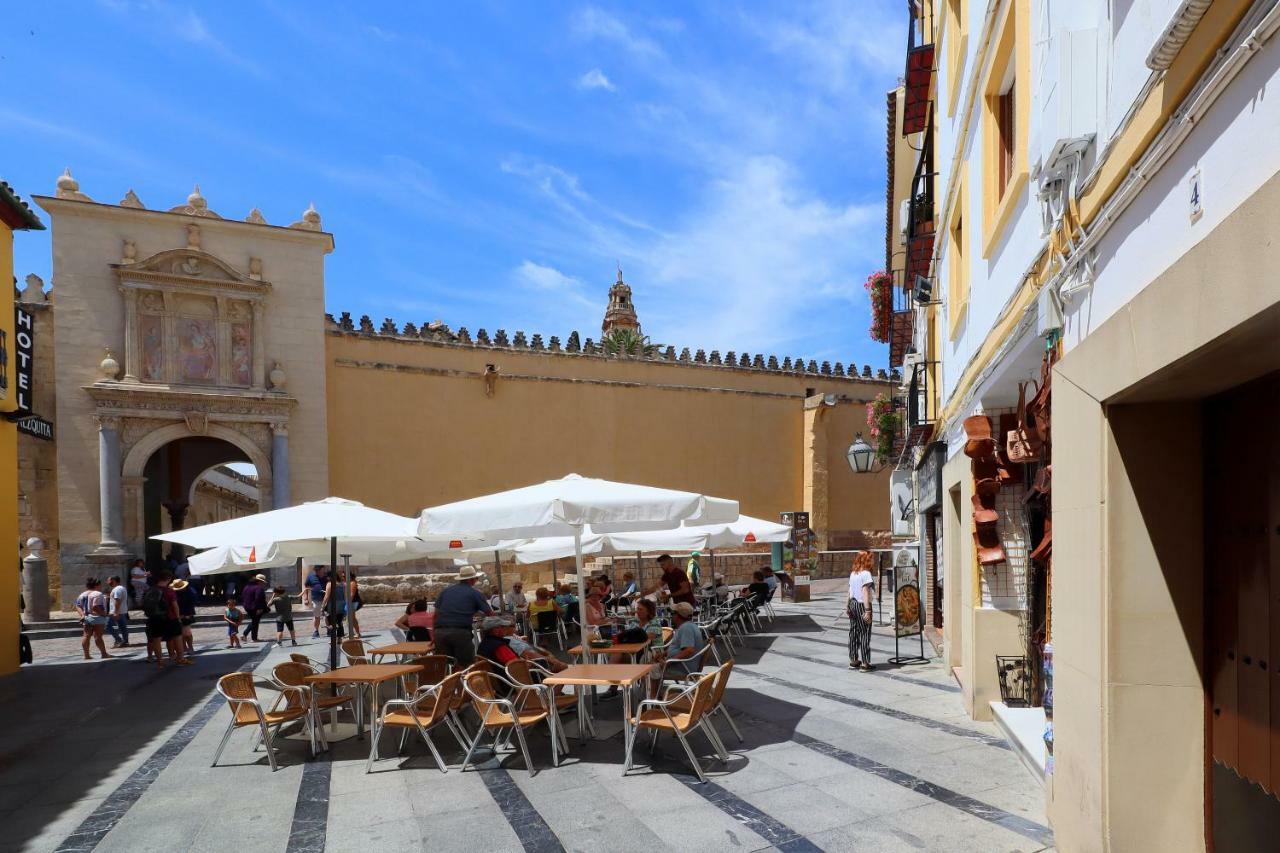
(266, 740)
(231, 727)
(404, 737)
(471, 749)
(375, 734)
(524, 750)
(435, 753)
(692, 758)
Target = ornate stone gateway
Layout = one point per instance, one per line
(173, 350)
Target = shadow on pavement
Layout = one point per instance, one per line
(63, 729)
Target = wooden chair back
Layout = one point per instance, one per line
(238, 689)
(446, 696)
(355, 651)
(722, 681)
(292, 674)
(300, 658)
(461, 700)
(702, 693)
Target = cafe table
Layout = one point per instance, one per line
(623, 675)
(372, 674)
(601, 652)
(409, 648)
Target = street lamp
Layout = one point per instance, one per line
(860, 455)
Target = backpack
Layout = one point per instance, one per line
(153, 603)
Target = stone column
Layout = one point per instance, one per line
(280, 466)
(814, 489)
(35, 583)
(110, 495)
(259, 348)
(132, 347)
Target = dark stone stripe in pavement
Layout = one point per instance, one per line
(1038, 833)
(89, 834)
(535, 834)
(946, 688)
(936, 725)
(774, 831)
(308, 832)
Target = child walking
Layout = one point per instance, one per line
(232, 616)
(282, 603)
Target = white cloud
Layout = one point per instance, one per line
(594, 23)
(545, 277)
(186, 25)
(596, 79)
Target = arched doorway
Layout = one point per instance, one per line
(180, 479)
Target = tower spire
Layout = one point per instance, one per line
(621, 313)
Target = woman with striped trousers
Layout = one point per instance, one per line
(860, 583)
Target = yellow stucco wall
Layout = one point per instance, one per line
(9, 580)
(410, 425)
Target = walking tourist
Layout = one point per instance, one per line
(456, 610)
(233, 617)
(356, 604)
(313, 597)
(694, 570)
(416, 621)
(186, 596)
(254, 601)
(675, 580)
(282, 603)
(860, 583)
(92, 607)
(160, 604)
(334, 602)
(118, 612)
(138, 580)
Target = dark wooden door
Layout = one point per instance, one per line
(1242, 580)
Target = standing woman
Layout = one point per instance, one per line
(186, 596)
(356, 604)
(860, 583)
(92, 607)
(335, 590)
(416, 622)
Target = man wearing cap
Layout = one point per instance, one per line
(254, 600)
(456, 610)
(687, 640)
(502, 645)
(694, 571)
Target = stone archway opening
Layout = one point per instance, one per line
(188, 481)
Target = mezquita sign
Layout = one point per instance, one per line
(184, 341)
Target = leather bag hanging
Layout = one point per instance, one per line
(1023, 443)
(979, 444)
(1038, 407)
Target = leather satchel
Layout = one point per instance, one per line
(1038, 407)
(979, 444)
(1023, 443)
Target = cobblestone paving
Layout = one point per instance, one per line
(115, 756)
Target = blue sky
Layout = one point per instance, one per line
(488, 163)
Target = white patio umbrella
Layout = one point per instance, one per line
(312, 525)
(567, 506)
(227, 559)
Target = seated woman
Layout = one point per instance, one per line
(417, 621)
(568, 603)
(757, 591)
(630, 590)
(646, 620)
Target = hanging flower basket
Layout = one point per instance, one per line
(879, 287)
(883, 422)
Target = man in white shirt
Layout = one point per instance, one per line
(860, 583)
(138, 580)
(118, 612)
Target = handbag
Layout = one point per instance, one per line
(1023, 443)
(1038, 408)
(979, 442)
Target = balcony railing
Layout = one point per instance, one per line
(919, 72)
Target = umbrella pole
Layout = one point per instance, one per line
(330, 616)
(351, 605)
(639, 581)
(497, 564)
(582, 591)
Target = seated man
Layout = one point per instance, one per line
(687, 640)
(757, 591)
(502, 646)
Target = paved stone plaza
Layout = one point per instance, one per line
(114, 756)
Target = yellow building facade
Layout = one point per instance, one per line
(15, 215)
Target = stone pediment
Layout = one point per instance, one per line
(189, 266)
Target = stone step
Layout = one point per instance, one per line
(58, 628)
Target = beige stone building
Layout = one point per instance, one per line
(184, 341)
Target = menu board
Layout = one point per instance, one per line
(907, 605)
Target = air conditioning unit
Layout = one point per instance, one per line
(910, 361)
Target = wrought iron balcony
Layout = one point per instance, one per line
(919, 72)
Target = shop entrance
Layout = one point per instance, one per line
(1242, 616)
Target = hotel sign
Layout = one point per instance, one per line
(23, 351)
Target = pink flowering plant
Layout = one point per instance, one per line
(879, 287)
(883, 422)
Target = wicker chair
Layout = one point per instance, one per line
(497, 715)
(680, 715)
(429, 707)
(716, 705)
(291, 678)
(435, 668)
(528, 674)
(242, 698)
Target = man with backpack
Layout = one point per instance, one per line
(160, 605)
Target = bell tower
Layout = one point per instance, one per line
(621, 313)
